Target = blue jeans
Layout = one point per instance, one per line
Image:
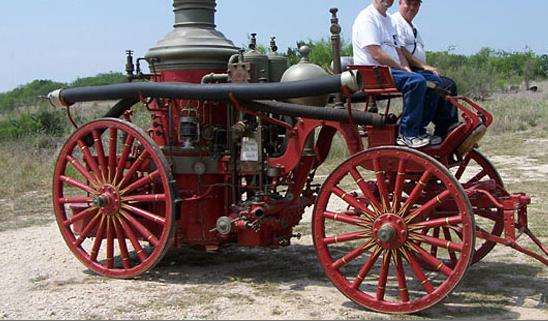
(413, 87)
(446, 114)
(441, 112)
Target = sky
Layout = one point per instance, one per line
(65, 39)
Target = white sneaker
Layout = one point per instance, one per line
(434, 140)
(413, 142)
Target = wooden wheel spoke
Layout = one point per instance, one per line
(434, 247)
(98, 240)
(352, 201)
(112, 149)
(452, 246)
(145, 214)
(445, 221)
(400, 275)
(133, 168)
(76, 200)
(428, 207)
(352, 255)
(147, 198)
(75, 183)
(123, 158)
(416, 192)
(365, 189)
(365, 269)
(142, 182)
(463, 166)
(141, 229)
(343, 218)
(141, 254)
(345, 238)
(476, 178)
(383, 276)
(417, 270)
(110, 244)
(87, 230)
(89, 159)
(435, 241)
(82, 170)
(381, 183)
(100, 151)
(398, 186)
(81, 216)
(126, 263)
(432, 261)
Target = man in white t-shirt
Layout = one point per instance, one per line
(444, 115)
(375, 42)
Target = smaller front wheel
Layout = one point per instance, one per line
(113, 198)
(367, 229)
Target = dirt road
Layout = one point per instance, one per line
(41, 279)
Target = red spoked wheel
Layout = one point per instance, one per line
(113, 198)
(367, 230)
(474, 169)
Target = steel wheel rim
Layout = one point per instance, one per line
(372, 301)
(118, 212)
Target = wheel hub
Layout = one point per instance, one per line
(108, 200)
(386, 233)
(390, 231)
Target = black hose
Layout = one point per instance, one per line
(217, 92)
(121, 107)
(321, 113)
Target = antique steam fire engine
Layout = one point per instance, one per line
(230, 155)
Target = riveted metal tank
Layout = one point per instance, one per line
(306, 70)
(194, 44)
(277, 64)
(259, 61)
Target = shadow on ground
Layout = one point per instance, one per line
(488, 288)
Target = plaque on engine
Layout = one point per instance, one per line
(250, 150)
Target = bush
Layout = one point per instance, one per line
(47, 122)
(488, 70)
(28, 95)
(99, 80)
(321, 53)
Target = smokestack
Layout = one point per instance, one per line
(194, 44)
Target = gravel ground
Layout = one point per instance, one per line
(40, 279)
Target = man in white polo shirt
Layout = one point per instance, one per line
(443, 115)
(375, 42)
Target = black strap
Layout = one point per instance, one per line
(415, 33)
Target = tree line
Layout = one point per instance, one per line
(477, 75)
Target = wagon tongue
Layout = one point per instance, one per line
(514, 209)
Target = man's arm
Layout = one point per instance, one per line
(414, 62)
(403, 59)
(383, 58)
